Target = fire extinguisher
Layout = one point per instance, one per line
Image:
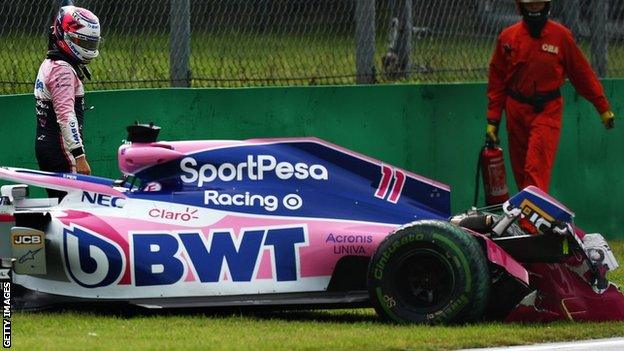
(492, 165)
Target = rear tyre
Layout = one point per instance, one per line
(429, 272)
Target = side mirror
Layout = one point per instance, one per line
(14, 192)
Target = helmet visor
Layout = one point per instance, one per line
(86, 42)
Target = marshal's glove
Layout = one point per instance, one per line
(491, 131)
(608, 119)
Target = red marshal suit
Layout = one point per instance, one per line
(524, 80)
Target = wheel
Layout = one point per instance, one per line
(429, 272)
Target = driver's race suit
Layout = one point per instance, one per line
(59, 95)
(524, 80)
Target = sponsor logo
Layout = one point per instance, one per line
(27, 239)
(268, 202)
(28, 247)
(74, 131)
(349, 239)
(30, 255)
(103, 200)
(70, 176)
(349, 244)
(550, 48)
(91, 260)
(536, 215)
(257, 167)
(185, 216)
(157, 256)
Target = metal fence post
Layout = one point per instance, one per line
(571, 12)
(599, 37)
(180, 43)
(365, 41)
(404, 47)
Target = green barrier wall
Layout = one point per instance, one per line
(433, 130)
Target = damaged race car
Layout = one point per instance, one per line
(293, 222)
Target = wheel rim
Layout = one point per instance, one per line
(425, 280)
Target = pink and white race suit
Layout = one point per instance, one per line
(59, 95)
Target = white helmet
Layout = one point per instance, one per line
(77, 33)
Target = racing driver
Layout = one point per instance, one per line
(59, 92)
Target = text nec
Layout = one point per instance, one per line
(102, 200)
(157, 259)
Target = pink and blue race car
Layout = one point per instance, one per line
(293, 222)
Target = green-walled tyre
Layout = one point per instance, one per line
(429, 272)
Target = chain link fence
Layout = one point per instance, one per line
(234, 43)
